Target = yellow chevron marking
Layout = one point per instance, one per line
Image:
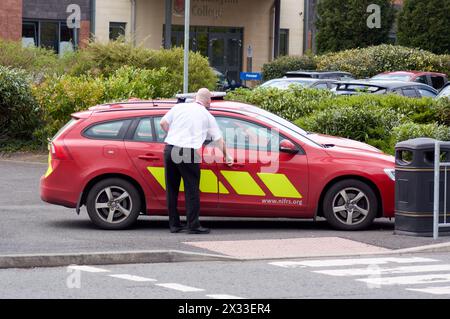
(243, 183)
(279, 185)
(208, 180)
(50, 168)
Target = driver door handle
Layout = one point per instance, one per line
(148, 157)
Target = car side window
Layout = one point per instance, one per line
(144, 131)
(410, 92)
(426, 93)
(107, 130)
(247, 135)
(437, 82)
(422, 79)
(160, 133)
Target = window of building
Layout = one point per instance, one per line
(49, 34)
(284, 42)
(116, 30)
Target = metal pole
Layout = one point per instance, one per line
(187, 15)
(168, 30)
(437, 169)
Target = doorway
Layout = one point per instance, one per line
(221, 45)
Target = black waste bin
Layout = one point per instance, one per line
(414, 187)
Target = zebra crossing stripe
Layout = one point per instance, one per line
(350, 262)
(370, 271)
(433, 290)
(407, 280)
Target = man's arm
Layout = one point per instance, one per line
(222, 146)
(164, 125)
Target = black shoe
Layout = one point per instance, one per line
(199, 230)
(178, 229)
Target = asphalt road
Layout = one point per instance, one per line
(407, 276)
(30, 226)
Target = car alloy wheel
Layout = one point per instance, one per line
(113, 204)
(351, 206)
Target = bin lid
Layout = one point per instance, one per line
(420, 144)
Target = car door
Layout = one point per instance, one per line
(264, 180)
(145, 145)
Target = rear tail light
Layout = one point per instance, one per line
(59, 151)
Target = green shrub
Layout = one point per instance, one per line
(18, 109)
(424, 24)
(58, 97)
(128, 82)
(105, 59)
(361, 124)
(289, 104)
(370, 61)
(278, 67)
(37, 61)
(411, 130)
(342, 24)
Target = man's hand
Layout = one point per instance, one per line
(229, 160)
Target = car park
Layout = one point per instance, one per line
(110, 159)
(335, 75)
(409, 89)
(285, 83)
(434, 79)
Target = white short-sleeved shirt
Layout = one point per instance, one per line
(190, 124)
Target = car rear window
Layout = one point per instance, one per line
(107, 130)
(66, 126)
(437, 82)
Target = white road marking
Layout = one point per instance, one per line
(180, 287)
(350, 262)
(433, 290)
(407, 280)
(132, 278)
(383, 271)
(223, 297)
(87, 269)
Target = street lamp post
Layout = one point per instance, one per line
(187, 15)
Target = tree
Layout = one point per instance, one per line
(347, 24)
(424, 24)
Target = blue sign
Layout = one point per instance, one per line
(251, 76)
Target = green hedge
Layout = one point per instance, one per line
(373, 60)
(18, 109)
(379, 120)
(36, 61)
(60, 96)
(278, 67)
(99, 59)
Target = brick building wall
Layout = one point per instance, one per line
(11, 19)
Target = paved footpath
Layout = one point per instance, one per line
(407, 276)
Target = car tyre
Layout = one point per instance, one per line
(113, 204)
(350, 205)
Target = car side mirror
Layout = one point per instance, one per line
(287, 146)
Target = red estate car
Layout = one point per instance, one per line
(433, 79)
(110, 159)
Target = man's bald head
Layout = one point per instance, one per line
(203, 97)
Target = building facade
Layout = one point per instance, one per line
(228, 32)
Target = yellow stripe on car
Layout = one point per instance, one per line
(50, 168)
(243, 183)
(279, 185)
(208, 180)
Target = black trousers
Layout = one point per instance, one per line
(189, 169)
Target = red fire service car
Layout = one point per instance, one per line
(110, 159)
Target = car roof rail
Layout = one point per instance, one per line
(190, 97)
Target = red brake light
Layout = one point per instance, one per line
(59, 151)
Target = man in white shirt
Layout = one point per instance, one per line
(188, 125)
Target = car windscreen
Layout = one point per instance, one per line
(395, 77)
(284, 84)
(363, 88)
